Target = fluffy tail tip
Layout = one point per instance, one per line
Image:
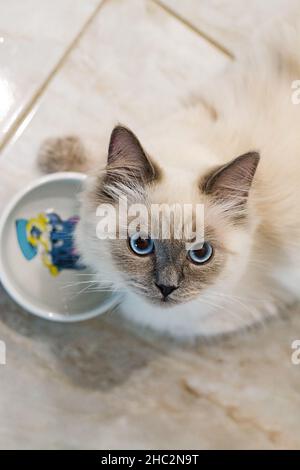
(62, 154)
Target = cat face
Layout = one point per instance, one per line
(168, 275)
(170, 270)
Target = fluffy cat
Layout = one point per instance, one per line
(242, 161)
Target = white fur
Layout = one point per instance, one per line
(255, 112)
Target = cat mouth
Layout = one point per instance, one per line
(164, 302)
(167, 303)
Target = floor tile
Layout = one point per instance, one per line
(152, 67)
(32, 41)
(227, 22)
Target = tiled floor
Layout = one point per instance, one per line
(80, 66)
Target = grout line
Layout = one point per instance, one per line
(28, 108)
(193, 28)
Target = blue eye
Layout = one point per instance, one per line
(141, 245)
(202, 255)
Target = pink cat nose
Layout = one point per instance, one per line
(166, 290)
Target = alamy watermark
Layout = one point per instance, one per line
(295, 357)
(2, 353)
(158, 221)
(295, 98)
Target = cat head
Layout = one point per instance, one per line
(174, 265)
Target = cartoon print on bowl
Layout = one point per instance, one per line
(52, 238)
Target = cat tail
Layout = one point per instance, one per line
(63, 154)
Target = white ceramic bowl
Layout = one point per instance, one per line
(65, 297)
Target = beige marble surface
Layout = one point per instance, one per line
(103, 383)
(34, 36)
(228, 24)
(100, 385)
(109, 78)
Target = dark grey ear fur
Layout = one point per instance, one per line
(127, 158)
(232, 181)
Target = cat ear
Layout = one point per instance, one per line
(126, 158)
(232, 181)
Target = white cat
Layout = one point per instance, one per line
(242, 161)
